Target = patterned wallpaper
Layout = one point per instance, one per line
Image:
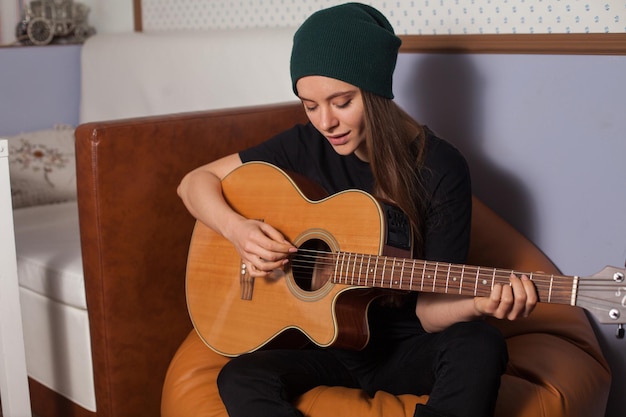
(407, 16)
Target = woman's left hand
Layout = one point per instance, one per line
(509, 301)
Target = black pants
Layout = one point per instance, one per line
(460, 368)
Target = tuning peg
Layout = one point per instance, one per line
(619, 333)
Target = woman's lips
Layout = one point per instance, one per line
(337, 140)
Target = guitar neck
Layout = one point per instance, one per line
(441, 277)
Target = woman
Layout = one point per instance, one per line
(342, 66)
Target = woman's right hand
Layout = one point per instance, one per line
(262, 248)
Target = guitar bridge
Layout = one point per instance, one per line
(246, 282)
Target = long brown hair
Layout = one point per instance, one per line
(396, 146)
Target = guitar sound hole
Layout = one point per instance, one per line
(313, 265)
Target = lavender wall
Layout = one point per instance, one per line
(39, 87)
(545, 137)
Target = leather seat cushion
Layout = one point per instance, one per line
(555, 369)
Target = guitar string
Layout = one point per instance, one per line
(485, 271)
(565, 299)
(330, 259)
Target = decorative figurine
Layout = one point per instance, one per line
(45, 20)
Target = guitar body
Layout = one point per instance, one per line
(234, 313)
(352, 248)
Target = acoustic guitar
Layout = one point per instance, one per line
(352, 248)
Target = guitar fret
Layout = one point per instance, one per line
(392, 280)
(448, 277)
(353, 276)
(402, 272)
(412, 271)
(396, 279)
(375, 272)
(382, 277)
(352, 265)
(549, 289)
(461, 283)
(476, 281)
(367, 274)
(453, 281)
(336, 265)
(423, 275)
(435, 275)
(339, 266)
(360, 270)
(493, 278)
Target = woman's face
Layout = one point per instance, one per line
(335, 108)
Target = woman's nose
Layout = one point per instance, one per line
(328, 120)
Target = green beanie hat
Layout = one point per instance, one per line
(351, 42)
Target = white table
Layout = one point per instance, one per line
(13, 379)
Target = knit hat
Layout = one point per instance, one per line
(351, 42)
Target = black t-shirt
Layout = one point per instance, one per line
(445, 176)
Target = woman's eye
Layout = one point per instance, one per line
(309, 107)
(344, 105)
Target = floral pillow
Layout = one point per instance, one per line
(42, 167)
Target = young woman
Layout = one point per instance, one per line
(342, 66)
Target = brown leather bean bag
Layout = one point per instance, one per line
(556, 366)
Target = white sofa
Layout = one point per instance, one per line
(123, 76)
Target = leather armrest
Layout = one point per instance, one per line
(135, 235)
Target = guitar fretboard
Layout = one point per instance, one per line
(441, 277)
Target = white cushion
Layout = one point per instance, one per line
(49, 260)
